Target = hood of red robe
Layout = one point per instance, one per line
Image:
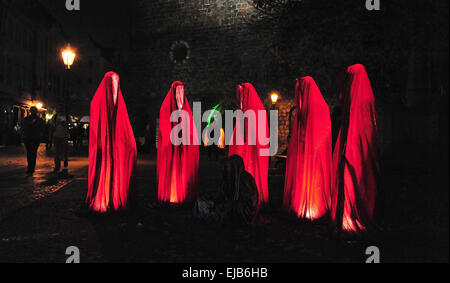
(255, 164)
(355, 158)
(177, 166)
(112, 148)
(309, 163)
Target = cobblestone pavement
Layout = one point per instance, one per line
(17, 189)
(415, 229)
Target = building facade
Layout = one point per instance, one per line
(31, 68)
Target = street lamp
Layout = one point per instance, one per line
(274, 97)
(68, 56)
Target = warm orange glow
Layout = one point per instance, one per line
(173, 188)
(274, 97)
(68, 56)
(311, 214)
(222, 139)
(351, 226)
(48, 117)
(206, 140)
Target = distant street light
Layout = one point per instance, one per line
(68, 56)
(274, 97)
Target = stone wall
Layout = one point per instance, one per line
(221, 48)
(222, 43)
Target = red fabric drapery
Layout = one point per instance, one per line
(112, 148)
(177, 166)
(256, 164)
(309, 163)
(355, 159)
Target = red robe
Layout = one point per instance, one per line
(112, 149)
(177, 166)
(309, 163)
(355, 159)
(256, 164)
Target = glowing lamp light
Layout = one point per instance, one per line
(274, 98)
(48, 117)
(39, 106)
(68, 56)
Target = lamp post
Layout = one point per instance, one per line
(274, 98)
(68, 56)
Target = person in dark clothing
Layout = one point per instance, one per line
(32, 129)
(50, 130)
(60, 139)
(237, 203)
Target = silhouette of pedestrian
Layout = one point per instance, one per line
(60, 140)
(32, 129)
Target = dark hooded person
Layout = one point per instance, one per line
(177, 165)
(355, 159)
(237, 201)
(309, 162)
(112, 149)
(32, 128)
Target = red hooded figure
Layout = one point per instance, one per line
(246, 141)
(177, 165)
(112, 148)
(309, 163)
(355, 158)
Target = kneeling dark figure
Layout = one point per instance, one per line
(236, 202)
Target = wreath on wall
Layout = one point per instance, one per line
(180, 52)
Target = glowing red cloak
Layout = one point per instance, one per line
(355, 158)
(112, 148)
(256, 164)
(177, 165)
(309, 163)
